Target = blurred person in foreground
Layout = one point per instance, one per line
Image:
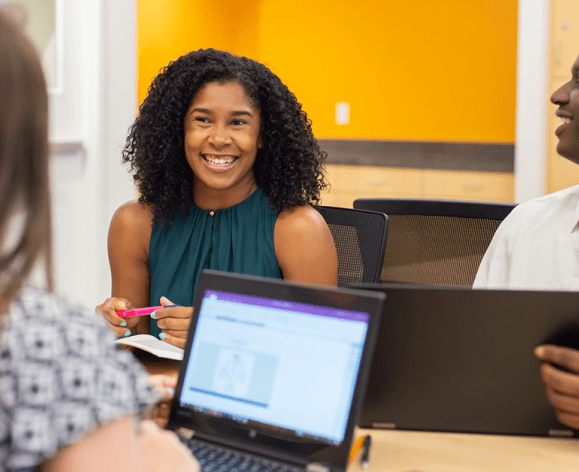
(69, 399)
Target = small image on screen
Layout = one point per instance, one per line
(235, 374)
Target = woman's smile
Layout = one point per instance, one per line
(219, 160)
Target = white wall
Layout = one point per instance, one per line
(89, 120)
(532, 98)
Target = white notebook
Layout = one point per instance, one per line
(155, 346)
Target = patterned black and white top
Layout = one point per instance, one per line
(61, 374)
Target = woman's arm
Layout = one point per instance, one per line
(128, 247)
(127, 446)
(304, 247)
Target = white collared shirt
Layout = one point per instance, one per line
(536, 247)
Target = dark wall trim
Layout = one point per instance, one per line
(422, 155)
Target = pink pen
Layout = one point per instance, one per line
(141, 311)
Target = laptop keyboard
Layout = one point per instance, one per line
(218, 459)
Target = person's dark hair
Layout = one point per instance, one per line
(24, 190)
(288, 168)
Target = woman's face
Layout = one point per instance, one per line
(221, 142)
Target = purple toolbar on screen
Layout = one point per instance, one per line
(298, 307)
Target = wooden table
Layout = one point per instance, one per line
(412, 451)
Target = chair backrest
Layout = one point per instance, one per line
(360, 238)
(436, 242)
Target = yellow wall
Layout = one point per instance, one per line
(169, 28)
(410, 70)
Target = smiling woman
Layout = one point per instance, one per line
(229, 174)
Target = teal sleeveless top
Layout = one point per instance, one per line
(236, 239)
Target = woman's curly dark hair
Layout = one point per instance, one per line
(288, 167)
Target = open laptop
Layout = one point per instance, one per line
(461, 360)
(274, 370)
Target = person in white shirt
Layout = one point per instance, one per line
(537, 248)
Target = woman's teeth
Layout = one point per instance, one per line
(221, 161)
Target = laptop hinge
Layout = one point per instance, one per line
(317, 467)
(384, 425)
(561, 433)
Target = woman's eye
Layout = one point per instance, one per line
(238, 122)
(202, 119)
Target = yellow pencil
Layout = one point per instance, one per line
(356, 448)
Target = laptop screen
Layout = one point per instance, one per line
(289, 365)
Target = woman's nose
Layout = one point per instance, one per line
(220, 136)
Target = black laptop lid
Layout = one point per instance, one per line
(276, 368)
(461, 360)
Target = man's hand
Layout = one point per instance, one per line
(562, 386)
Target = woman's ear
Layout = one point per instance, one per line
(259, 142)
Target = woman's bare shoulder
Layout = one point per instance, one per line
(133, 212)
(304, 246)
(301, 218)
(133, 215)
(132, 224)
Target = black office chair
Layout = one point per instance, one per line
(360, 238)
(436, 242)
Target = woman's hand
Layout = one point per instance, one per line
(121, 326)
(562, 386)
(174, 322)
(165, 385)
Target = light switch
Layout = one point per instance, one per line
(342, 113)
